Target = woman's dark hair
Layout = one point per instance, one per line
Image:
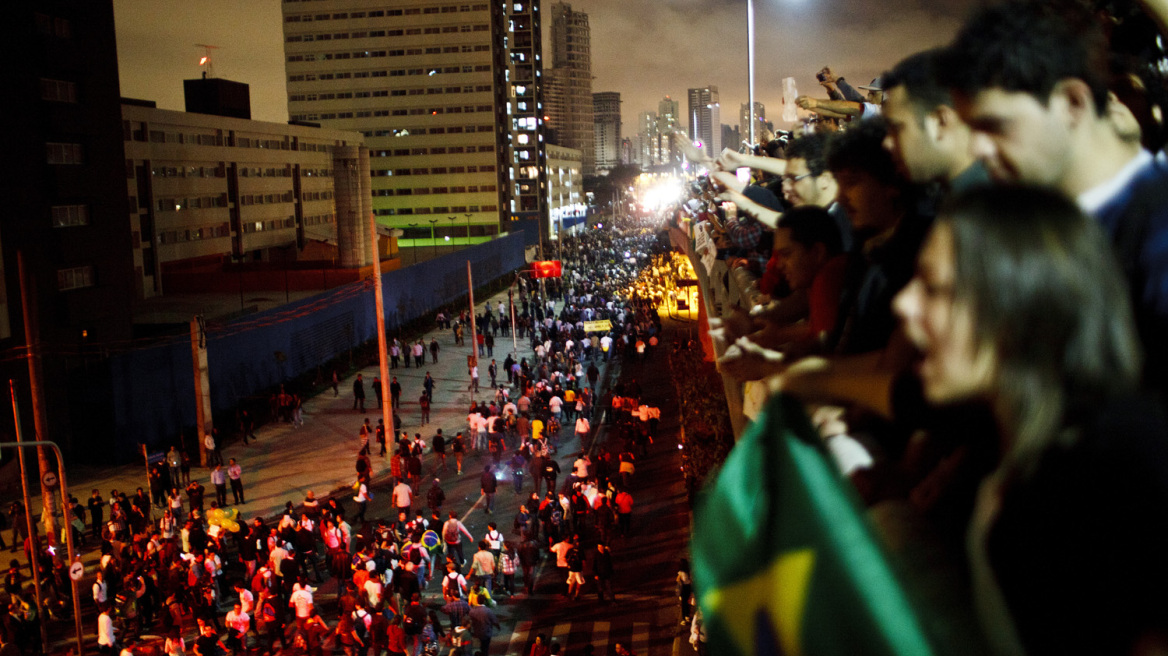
(1047, 295)
(810, 225)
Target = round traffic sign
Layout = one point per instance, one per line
(49, 479)
(76, 570)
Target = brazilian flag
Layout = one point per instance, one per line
(783, 560)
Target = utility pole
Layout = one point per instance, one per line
(204, 425)
(386, 408)
(33, 564)
(35, 374)
(474, 333)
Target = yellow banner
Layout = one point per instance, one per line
(597, 326)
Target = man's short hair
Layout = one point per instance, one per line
(919, 75)
(861, 148)
(1029, 47)
(810, 148)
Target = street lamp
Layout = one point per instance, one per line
(750, 68)
(468, 215)
(413, 246)
(452, 219)
(433, 242)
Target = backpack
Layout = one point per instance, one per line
(575, 560)
(411, 623)
(450, 532)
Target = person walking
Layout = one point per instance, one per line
(219, 480)
(173, 461)
(395, 390)
(212, 446)
(424, 406)
(489, 486)
(474, 378)
(434, 348)
(459, 449)
(483, 623)
(428, 385)
(376, 385)
(452, 532)
(359, 394)
(234, 475)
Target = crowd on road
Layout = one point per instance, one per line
(191, 569)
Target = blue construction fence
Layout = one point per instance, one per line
(153, 388)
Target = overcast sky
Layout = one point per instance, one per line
(643, 49)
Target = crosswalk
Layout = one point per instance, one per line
(574, 636)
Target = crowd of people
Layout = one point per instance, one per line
(964, 275)
(193, 570)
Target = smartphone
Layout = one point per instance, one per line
(821, 77)
(743, 174)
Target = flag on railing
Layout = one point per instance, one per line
(783, 560)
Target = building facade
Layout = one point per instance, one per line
(606, 113)
(571, 113)
(447, 96)
(705, 119)
(65, 214)
(566, 201)
(212, 188)
(744, 121)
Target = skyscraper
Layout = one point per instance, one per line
(648, 140)
(668, 119)
(572, 69)
(744, 121)
(446, 95)
(607, 121)
(705, 121)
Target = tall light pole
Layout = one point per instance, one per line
(433, 242)
(750, 68)
(468, 215)
(413, 247)
(452, 219)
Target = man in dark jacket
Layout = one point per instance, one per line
(488, 484)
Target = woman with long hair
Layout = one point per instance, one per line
(1018, 303)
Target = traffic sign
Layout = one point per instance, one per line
(50, 480)
(76, 570)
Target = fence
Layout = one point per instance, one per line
(153, 388)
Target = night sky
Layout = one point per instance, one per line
(644, 49)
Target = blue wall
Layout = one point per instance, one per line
(153, 388)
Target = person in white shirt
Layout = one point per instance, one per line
(238, 622)
(403, 497)
(100, 590)
(301, 600)
(105, 632)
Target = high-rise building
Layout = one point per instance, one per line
(65, 218)
(606, 111)
(648, 140)
(447, 96)
(744, 121)
(705, 120)
(668, 119)
(730, 137)
(571, 115)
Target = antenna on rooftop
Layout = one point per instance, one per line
(205, 60)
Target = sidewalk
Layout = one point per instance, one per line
(286, 462)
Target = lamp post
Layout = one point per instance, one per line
(750, 68)
(413, 247)
(452, 219)
(433, 242)
(468, 215)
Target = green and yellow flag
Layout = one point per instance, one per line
(783, 559)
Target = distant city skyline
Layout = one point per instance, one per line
(644, 51)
